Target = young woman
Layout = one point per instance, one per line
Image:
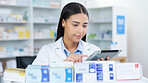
(70, 42)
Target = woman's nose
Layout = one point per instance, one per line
(81, 30)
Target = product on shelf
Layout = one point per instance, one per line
(15, 2)
(55, 4)
(92, 35)
(17, 33)
(46, 3)
(4, 2)
(44, 19)
(7, 16)
(45, 33)
(11, 51)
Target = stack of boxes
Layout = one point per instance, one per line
(85, 72)
(57, 72)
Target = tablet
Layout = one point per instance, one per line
(104, 53)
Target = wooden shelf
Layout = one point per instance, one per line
(121, 59)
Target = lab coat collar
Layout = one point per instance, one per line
(61, 53)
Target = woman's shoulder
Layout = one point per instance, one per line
(49, 46)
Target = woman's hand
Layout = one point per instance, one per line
(102, 59)
(75, 58)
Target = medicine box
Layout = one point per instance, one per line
(60, 75)
(95, 71)
(37, 74)
(128, 71)
(105, 71)
(61, 72)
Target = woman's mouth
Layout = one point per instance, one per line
(78, 36)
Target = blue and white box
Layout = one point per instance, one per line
(60, 75)
(85, 72)
(105, 71)
(37, 74)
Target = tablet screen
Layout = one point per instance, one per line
(104, 53)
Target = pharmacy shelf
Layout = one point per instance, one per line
(98, 22)
(32, 12)
(44, 38)
(10, 57)
(107, 40)
(7, 5)
(44, 23)
(44, 7)
(104, 23)
(14, 39)
(14, 22)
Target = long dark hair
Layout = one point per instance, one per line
(68, 10)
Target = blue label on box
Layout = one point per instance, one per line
(92, 68)
(100, 75)
(69, 73)
(120, 24)
(111, 76)
(110, 67)
(45, 75)
(79, 77)
(99, 67)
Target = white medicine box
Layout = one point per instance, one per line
(95, 71)
(128, 71)
(61, 75)
(37, 74)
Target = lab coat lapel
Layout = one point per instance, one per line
(86, 48)
(58, 50)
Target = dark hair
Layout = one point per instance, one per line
(68, 10)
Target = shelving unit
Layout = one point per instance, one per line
(10, 18)
(44, 22)
(104, 29)
(48, 12)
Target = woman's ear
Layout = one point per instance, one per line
(63, 22)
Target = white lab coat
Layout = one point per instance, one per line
(54, 52)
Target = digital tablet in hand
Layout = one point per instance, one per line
(104, 53)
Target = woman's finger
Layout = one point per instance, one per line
(98, 59)
(102, 59)
(107, 58)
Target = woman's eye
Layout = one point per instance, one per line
(84, 26)
(75, 25)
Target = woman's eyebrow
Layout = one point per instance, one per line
(85, 23)
(79, 22)
(76, 22)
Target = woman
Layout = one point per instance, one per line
(70, 42)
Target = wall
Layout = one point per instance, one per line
(137, 27)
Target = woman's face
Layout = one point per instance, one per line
(75, 27)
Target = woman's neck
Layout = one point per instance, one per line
(69, 45)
